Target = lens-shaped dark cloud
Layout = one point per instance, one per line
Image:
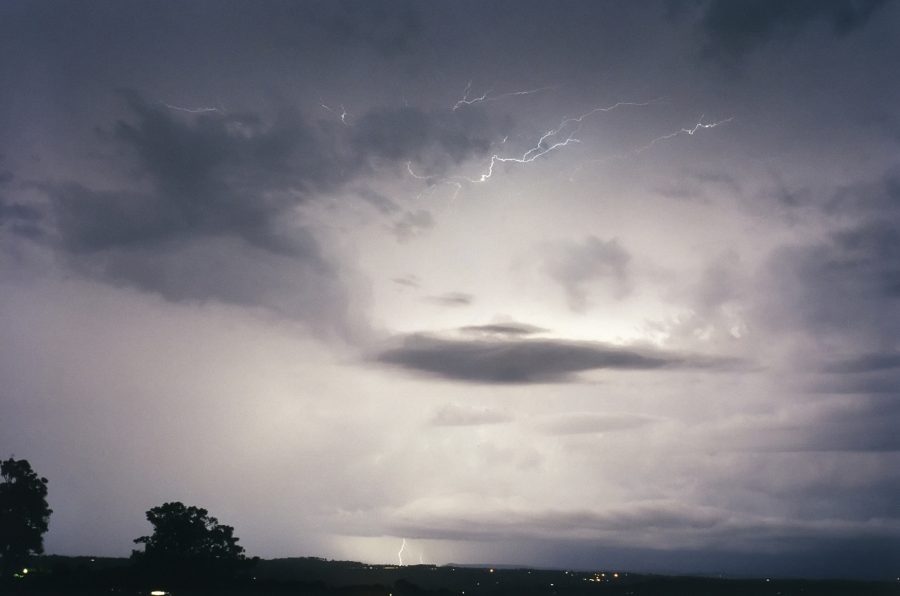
(503, 329)
(516, 361)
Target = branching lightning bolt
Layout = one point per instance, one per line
(563, 135)
(400, 552)
(486, 96)
(554, 139)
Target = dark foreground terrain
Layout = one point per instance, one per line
(53, 575)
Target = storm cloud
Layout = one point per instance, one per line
(584, 281)
(526, 360)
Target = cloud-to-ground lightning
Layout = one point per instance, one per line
(486, 96)
(400, 552)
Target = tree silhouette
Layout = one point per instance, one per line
(189, 545)
(24, 513)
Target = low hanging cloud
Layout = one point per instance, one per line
(663, 524)
(522, 361)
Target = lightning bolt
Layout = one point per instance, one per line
(432, 181)
(342, 115)
(400, 552)
(555, 138)
(700, 125)
(486, 97)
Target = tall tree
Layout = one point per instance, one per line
(189, 544)
(24, 513)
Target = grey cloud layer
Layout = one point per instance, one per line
(212, 211)
(274, 201)
(737, 26)
(527, 360)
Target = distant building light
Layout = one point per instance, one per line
(25, 571)
(159, 593)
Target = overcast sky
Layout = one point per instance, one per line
(577, 284)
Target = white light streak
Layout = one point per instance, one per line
(432, 181)
(691, 131)
(555, 138)
(700, 125)
(342, 114)
(486, 97)
(400, 552)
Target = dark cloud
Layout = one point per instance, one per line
(409, 281)
(452, 299)
(512, 361)
(576, 266)
(20, 219)
(389, 29)
(733, 27)
(210, 175)
(848, 285)
(436, 139)
(511, 329)
(637, 518)
(865, 363)
(220, 175)
(236, 182)
(866, 425)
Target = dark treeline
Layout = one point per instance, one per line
(189, 552)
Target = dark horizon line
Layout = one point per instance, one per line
(672, 573)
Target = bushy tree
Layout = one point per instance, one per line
(24, 513)
(188, 544)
